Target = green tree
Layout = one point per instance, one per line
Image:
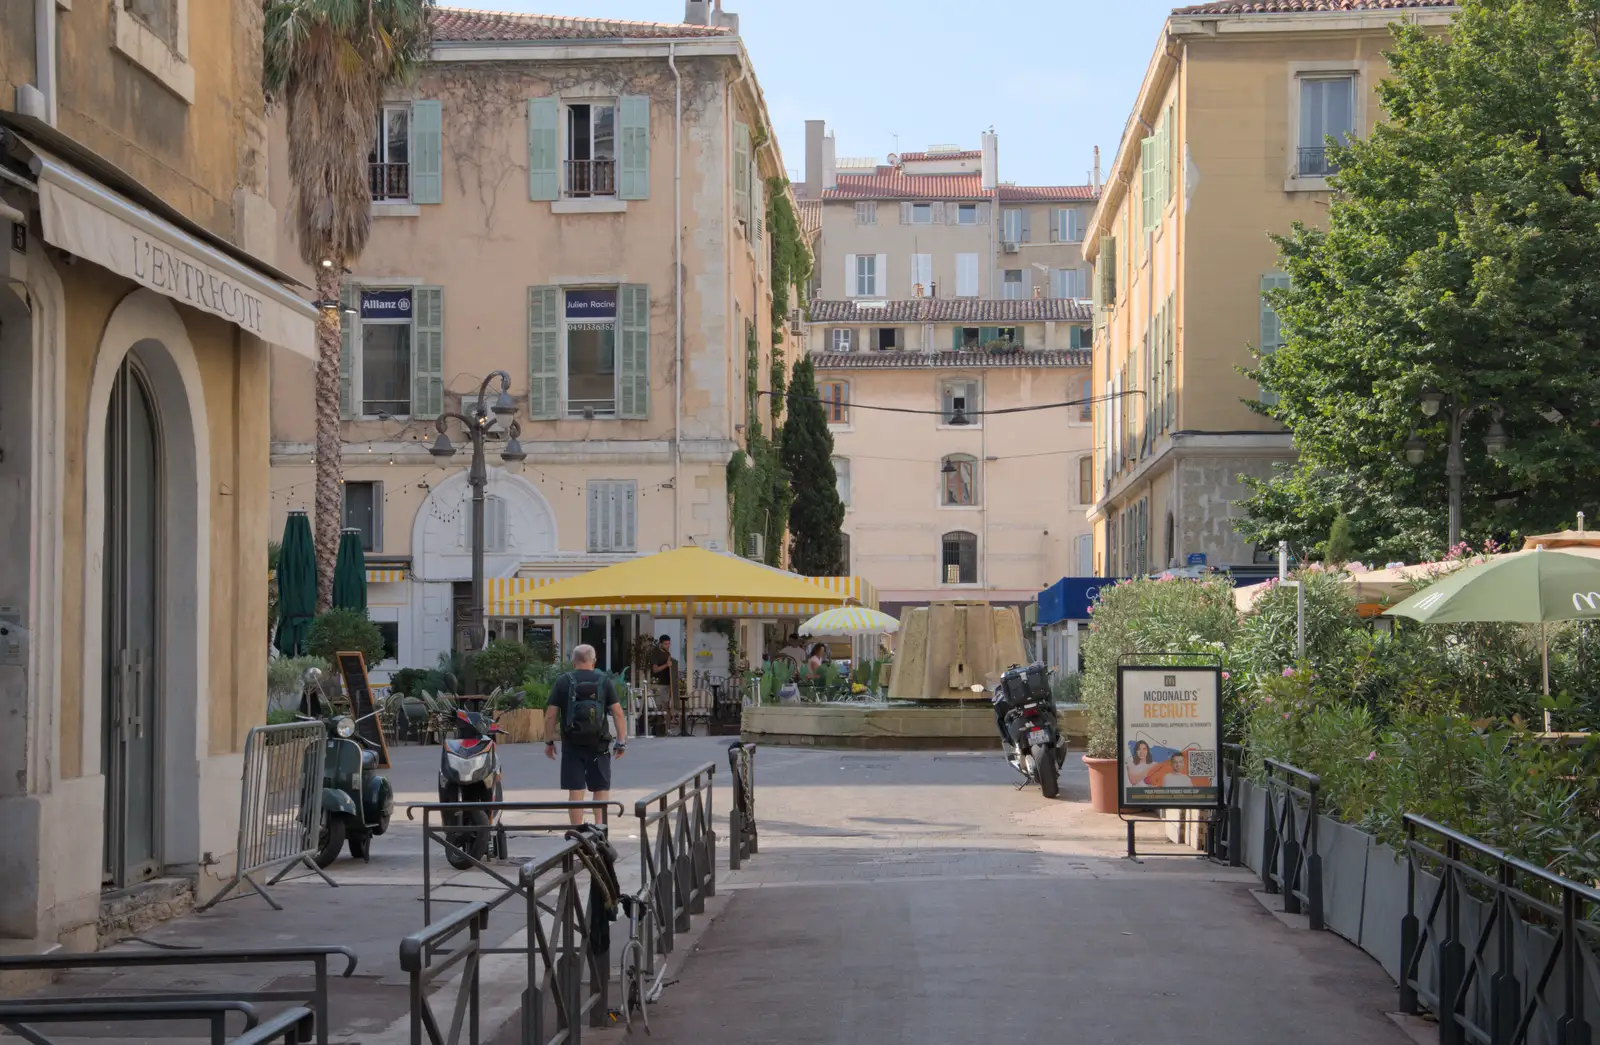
(1340, 549)
(815, 518)
(1459, 254)
(329, 62)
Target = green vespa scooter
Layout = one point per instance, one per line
(357, 801)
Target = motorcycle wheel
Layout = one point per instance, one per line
(1044, 765)
(475, 841)
(330, 841)
(361, 847)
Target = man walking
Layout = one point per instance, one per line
(579, 703)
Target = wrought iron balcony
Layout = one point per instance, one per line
(591, 177)
(1317, 162)
(389, 181)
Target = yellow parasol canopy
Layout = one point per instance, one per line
(690, 575)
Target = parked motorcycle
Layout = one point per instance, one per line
(1030, 733)
(469, 771)
(357, 801)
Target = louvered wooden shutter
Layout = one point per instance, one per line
(427, 152)
(741, 170)
(1271, 328)
(349, 295)
(544, 353)
(428, 359)
(544, 149)
(633, 346)
(633, 128)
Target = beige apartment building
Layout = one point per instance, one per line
(951, 332)
(1227, 142)
(138, 310)
(537, 191)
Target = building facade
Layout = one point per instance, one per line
(581, 204)
(1227, 143)
(138, 310)
(951, 332)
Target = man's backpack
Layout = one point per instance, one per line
(586, 712)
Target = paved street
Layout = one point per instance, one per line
(920, 898)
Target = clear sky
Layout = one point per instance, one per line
(1055, 78)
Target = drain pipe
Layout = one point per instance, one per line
(677, 295)
(44, 55)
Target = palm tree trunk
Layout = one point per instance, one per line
(329, 463)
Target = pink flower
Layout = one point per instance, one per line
(1226, 676)
(1288, 673)
(1286, 716)
(1372, 757)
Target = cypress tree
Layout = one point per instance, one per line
(815, 544)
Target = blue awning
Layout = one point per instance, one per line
(1069, 598)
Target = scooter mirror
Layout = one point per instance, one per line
(977, 688)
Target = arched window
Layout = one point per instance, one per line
(960, 558)
(959, 475)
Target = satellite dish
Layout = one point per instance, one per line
(894, 159)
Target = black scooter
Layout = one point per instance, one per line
(1030, 733)
(469, 771)
(357, 801)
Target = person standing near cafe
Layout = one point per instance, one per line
(580, 703)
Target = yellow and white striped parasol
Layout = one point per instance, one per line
(850, 620)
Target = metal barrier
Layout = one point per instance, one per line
(435, 832)
(1225, 840)
(313, 1000)
(1290, 860)
(416, 953)
(280, 805)
(1480, 997)
(742, 841)
(678, 867)
(569, 958)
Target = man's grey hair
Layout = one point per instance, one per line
(583, 654)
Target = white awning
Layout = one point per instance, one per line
(84, 218)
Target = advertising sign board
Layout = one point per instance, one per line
(1169, 737)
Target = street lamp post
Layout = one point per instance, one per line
(1432, 401)
(477, 427)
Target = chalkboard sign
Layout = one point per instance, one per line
(353, 668)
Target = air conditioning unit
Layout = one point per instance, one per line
(755, 546)
(1011, 248)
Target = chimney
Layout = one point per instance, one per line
(991, 159)
(1097, 168)
(697, 12)
(724, 20)
(815, 131)
(933, 288)
(830, 168)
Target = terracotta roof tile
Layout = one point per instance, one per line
(953, 310)
(1258, 7)
(1053, 359)
(908, 157)
(889, 183)
(461, 25)
(809, 214)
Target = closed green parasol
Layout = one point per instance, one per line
(350, 575)
(297, 585)
(1528, 587)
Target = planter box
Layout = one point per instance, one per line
(1252, 815)
(1383, 906)
(522, 725)
(1344, 876)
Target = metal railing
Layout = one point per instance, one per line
(435, 832)
(280, 805)
(569, 958)
(742, 841)
(591, 177)
(678, 862)
(1525, 911)
(312, 1001)
(1316, 162)
(1225, 840)
(1291, 862)
(416, 961)
(389, 181)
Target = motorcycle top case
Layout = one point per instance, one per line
(1038, 682)
(1016, 687)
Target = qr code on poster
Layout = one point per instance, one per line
(1202, 763)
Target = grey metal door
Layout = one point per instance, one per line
(130, 756)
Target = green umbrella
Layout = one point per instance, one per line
(297, 585)
(350, 574)
(1529, 587)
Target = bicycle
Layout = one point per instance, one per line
(634, 962)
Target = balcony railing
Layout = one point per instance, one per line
(591, 177)
(1317, 162)
(389, 181)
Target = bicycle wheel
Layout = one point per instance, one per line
(633, 985)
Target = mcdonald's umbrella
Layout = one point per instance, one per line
(691, 575)
(1527, 587)
(350, 574)
(850, 620)
(297, 585)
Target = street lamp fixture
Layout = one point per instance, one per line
(1495, 441)
(1432, 401)
(958, 416)
(477, 426)
(1415, 448)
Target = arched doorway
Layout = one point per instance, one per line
(131, 718)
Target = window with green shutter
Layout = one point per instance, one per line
(544, 353)
(349, 294)
(428, 368)
(741, 171)
(544, 148)
(633, 350)
(427, 152)
(1107, 272)
(1271, 328)
(1172, 361)
(1147, 183)
(633, 130)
